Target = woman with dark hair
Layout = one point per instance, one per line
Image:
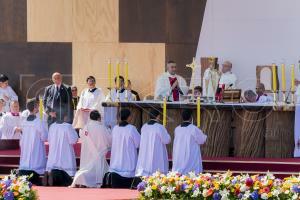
(6, 92)
(90, 99)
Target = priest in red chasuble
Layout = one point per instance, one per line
(170, 85)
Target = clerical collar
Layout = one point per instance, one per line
(152, 121)
(185, 124)
(122, 90)
(170, 75)
(92, 90)
(123, 123)
(15, 114)
(31, 117)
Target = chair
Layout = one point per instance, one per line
(264, 75)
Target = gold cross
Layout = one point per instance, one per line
(192, 65)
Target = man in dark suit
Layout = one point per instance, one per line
(58, 99)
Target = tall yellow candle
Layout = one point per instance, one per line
(109, 74)
(118, 74)
(274, 79)
(293, 78)
(283, 78)
(126, 74)
(198, 112)
(41, 108)
(165, 112)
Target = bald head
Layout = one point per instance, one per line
(250, 96)
(226, 66)
(57, 78)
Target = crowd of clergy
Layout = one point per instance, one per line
(106, 132)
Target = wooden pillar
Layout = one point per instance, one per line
(280, 134)
(249, 134)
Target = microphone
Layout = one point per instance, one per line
(230, 86)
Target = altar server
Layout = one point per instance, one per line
(61, 164)
(11, 122)
(228, 78)
(90, 99)
(44, 118)
(170, 85)
(96, 141)
(153, 155)
(125, 142)
(1, 115)
(186, 148)
(119, 93)
(6, 92)
(33, 152)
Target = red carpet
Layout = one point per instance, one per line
(59, 193)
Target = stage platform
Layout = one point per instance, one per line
(50, 193)
(281, 167)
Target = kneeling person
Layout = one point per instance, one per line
(33, 152)
(153, 155)
(96, 141)
(61, 165)
(125, 142)
(186, 149)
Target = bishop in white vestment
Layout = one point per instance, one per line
(170, 85)
(6, 92)
(153, 155)
(228, 78)
(125, 142)
(62, 136)
(95, 143)
(90, 99)
(34, 134)
(11, 123)
(186, 148)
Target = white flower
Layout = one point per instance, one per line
(163, 189)
(24, 188)
(243, 188)
(196, 193)
(170, 189)
(224, 193)
(275, 193)
(295, 196)
(264, 196)
(148, 192)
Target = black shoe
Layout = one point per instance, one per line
(50, 179)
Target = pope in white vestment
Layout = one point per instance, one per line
(125, 142)
(186, 149)
(153, 155)
(90, 99)
(95, 143)
(170, 85)
(228, 78)
(33, 152)
(61, 138)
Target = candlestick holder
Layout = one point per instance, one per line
(275, 97)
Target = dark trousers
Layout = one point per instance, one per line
(34, 177)
(114, 180)
(60, 178)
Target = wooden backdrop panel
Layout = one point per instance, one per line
(13, 26)
(96, 20)
(146, 63)
(184, 21)
(30, 65)
(50, 20)
(142, 21)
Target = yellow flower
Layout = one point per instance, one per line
(154, 187)
(16, 194)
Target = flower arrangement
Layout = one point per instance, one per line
(16, 188)
(218, 186)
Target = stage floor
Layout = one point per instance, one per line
(50, 193)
